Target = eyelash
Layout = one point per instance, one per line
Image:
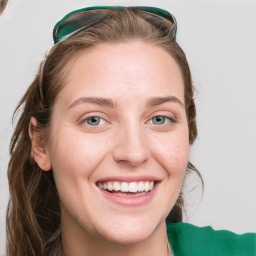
(100, 119)
(95, 117)
(171, 119)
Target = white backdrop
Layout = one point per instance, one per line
(219, 39)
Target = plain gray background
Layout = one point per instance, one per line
(219, 39)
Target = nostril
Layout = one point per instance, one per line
(132, 145)
(131, 156)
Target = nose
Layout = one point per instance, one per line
(132, 147)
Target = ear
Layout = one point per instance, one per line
(39, 149)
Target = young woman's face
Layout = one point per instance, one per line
(119, 142)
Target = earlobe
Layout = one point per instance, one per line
(39, 149)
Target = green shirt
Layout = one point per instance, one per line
(189, 240)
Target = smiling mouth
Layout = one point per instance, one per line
(127, 188)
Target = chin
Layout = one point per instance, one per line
(128, 232)
(128, 237)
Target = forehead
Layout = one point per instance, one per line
(116, 70)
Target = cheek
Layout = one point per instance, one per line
(75, 155)
(173, 153)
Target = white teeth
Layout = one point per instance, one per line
(140, 186)
(116, 186)
(132, 187)
(124, 187)
(109, 186)
(146, 186)
(151, 185)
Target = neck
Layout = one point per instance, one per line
(77, 241)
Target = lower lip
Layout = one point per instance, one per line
(130, 200)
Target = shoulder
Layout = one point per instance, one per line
(189, 240)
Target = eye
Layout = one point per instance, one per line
(94, 120)
(158, 120)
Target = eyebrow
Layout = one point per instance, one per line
(95, 100)
(161, 100)
(111, 104)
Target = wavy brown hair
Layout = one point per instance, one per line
(33, 214)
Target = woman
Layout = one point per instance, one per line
(101, 149)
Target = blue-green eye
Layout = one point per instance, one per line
(158, 120)
(94, 120)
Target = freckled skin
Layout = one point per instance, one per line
(127, 143)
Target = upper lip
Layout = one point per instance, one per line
(129, 178)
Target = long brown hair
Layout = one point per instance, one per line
(33, 214)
